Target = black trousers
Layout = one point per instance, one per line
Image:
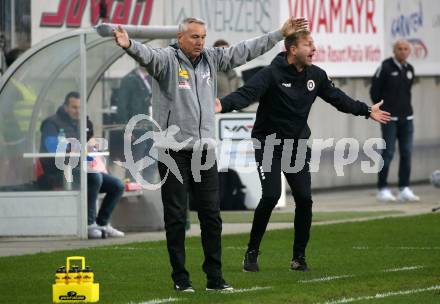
(206, 201)
(300, 184)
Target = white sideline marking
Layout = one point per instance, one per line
(246, 289)
(123, 248)
(361, 247)
(383, 295)
(158, 301)
(323, 279)
(403, 268)
(398, 248)
(119, 248)
(417, 248)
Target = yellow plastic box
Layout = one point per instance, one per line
(75, 284)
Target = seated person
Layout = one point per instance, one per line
(66, 120)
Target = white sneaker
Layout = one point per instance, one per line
(385, 195)
(94, 232)
(111, 231)
(406, 194)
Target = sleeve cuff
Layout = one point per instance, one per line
(224, 110)
(276, 35)
(131, 47)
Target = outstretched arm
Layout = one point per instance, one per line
(239, 54)
(154, 59)
(247, 94)
(346, 104)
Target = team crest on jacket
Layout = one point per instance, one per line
(409, 75)
(310, 85)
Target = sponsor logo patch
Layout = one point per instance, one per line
(184, 85)
(183, 73)
(310, 85)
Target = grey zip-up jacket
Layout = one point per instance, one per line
(184, 93)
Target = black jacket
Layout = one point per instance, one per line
(50, 127)
(134, 97)
(286, 97)
(393, 85)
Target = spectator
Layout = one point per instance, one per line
(227, 82)
(67, 119)
(134, 95)
(392, 83)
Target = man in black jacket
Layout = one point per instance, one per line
(392, 84)
(134, 96)
(286, 90)
(65, 123)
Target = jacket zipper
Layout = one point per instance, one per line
(200, 106)
(168, 120)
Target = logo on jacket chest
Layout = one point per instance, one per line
(183, 73)
(184, 85)
(183, 82)
(207, 76)
(286, 84)
(310, 85)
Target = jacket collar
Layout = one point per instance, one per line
(181, 56)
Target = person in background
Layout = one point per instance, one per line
(392, 83)
(134, 95)
(66, 122)
(227, 82)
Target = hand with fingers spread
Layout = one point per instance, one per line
(294, 25)
(378, 115)
(121, 37)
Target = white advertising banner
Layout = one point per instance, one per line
(418, 21)
(352, 36)
(348, 34)
(231, 20)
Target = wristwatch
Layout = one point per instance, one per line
(368, 113)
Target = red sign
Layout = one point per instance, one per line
(71, 12)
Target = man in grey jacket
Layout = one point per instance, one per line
(184, 95)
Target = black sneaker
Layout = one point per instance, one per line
(250, 261)
(184, 287)
(299, 264)
(218, 285)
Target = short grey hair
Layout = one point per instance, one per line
(401, 41)
(183, 25)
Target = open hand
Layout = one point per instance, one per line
(121, 37)
(378, 115)
(293, 25)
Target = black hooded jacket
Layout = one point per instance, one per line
(286, 97)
